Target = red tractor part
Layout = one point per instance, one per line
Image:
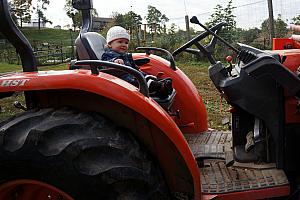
(30, 189)
(87, 134)
(229, 59)
(188, 121)
(285, 43)
(63, 86)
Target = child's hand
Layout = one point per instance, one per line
(119, 61)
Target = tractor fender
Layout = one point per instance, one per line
(170, 146)
(193, 115)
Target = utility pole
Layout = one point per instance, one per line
(72, 44)
(271, 21)
(145, 32)
(138, 33)
(187, 25)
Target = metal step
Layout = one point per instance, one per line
(216, 178)
(209, 144)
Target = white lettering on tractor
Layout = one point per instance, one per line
(15, 82)
(23, 81)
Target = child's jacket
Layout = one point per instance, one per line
(111, 55)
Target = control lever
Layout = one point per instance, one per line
(243, 55)
(229, 68)
(194, 20)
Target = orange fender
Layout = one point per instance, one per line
(193, 115)
(116, 90)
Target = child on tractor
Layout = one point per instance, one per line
(117, 42)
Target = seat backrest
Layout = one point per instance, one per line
(90, 46)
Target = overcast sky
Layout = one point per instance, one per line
(249, 12)
(174, 9)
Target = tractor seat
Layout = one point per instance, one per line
(90, 46)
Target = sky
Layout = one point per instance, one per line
(175, 10)
(249, 13)
(172, 8)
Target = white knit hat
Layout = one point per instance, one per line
(116, 32)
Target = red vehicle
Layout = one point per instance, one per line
(87, 134)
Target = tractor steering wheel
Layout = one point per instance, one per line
(94, 64)
(206, 50)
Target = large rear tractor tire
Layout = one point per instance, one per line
(69, 154)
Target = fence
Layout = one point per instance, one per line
(249, 14)
(46, 53)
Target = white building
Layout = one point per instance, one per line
(35, 24)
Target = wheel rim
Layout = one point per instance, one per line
(30, 189)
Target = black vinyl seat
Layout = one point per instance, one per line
(90, 46)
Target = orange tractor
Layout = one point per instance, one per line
(87, 134)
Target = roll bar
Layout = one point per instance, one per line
(13, 34)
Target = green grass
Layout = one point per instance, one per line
(62, 66)
(5, 67)
(47, 43)
(7, 109)
(6, 105)
(49, 35)
(216, 107)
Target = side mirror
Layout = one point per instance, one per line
(82, 4)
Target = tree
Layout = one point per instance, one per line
(248, 36)
(72, 13)
(12, 13)
(170, 40)
(75, 15)
(224, 15)
(172, 29)
(228, 32)
(157, 19)
(229, 17)
(119, 19)
(133, 19)
(21, 10)
(251, 37)
(40, 8)
(296, 20)
(280, 28)
(130, 21)
(216, 17)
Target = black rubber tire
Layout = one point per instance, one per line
(83, 154)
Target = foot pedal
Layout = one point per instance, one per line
(250, 141)
(242, 156)
(229, 159)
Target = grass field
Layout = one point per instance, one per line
(216, 107)
(6, 105)
(4, 67)
(50, 35)
(197, 72)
